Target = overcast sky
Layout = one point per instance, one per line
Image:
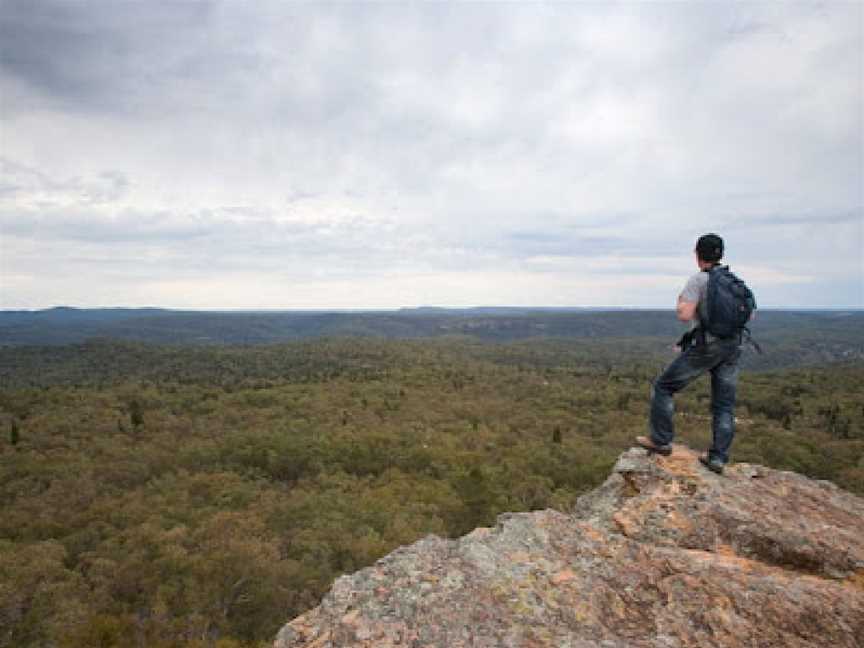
(291, 155)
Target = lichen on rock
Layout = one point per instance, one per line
(663, 554)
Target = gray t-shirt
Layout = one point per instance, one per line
(696, 291)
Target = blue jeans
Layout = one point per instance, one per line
(720, 357)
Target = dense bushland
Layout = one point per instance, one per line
(160, 496)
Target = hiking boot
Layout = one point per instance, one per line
(652, 447)
(714, 465)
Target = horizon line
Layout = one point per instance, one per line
(360, 309)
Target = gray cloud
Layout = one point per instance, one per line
(751, 221)
(24, 184)
(361, 140)
(96, 56)
(73, 225)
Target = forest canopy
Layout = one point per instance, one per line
(199, 496)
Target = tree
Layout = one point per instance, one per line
(136, 414)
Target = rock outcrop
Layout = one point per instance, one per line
(663, 554)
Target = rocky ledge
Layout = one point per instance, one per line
(664, 553)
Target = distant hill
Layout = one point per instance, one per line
(500, 324)
(616, 337)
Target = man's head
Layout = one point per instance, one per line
(709, 248)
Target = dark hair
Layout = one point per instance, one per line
(710, 248)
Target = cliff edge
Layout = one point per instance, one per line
(663, 554)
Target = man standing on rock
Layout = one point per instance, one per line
(700, 352)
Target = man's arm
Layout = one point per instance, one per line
(686, 310)
(688, 300)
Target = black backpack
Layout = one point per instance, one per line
(730, 303)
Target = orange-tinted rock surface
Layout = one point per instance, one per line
(663, 554)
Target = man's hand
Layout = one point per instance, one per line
(686, 311)
(685, 342)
